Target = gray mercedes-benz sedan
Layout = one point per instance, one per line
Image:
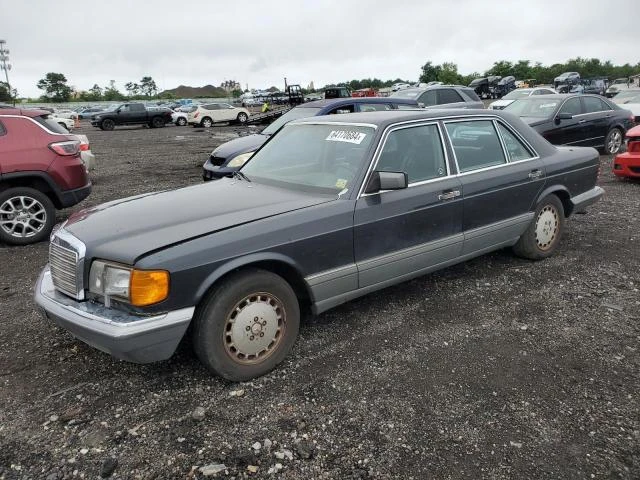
(329, 209)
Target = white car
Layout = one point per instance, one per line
(399, 86)
(87, 157)
(618, 85)
(209, 113)
(514, 95)
(65, 123)
(66, 113)
(629, 100)
(180, 118)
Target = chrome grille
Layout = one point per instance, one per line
(63, 262)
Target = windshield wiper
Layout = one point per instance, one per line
(240, 175)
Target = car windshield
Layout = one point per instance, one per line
(631, 96)
(515, 94)
(293, 114)
(312, 157)
(533, 107)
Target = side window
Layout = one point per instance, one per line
(546, 92)
(428, 98)
(571, 106)
(137, 107)
(2, 129)
(372, 107)
(593, 104)
(415, 150)
(448, 95)
(342, 109)
(476, 145)
(516, 150)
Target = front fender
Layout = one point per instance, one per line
(248, 260)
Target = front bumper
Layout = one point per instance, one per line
(627, 165)
(213, 172)
(128, 337)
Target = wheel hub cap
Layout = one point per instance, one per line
(22, 216)
(546, 227)
(254, 328)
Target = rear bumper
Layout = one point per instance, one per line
(627, 165)
(89, 159)
(582, 201)
(69, 198)
(128, 337)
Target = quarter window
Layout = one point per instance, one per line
(428, 98)
(342, 109)
(572, 106)
(516, 150)
(372, 107)
(476, 145)
(448, 95)
(415, 150)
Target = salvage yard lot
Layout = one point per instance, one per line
(495, 368)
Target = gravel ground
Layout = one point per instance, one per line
(495, 368)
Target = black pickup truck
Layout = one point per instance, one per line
(132, 114)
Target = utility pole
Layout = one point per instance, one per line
(6, 66)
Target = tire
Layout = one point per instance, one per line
(242, 118)
(543, 235)
(246, 325)
(181, 121)
(157, 122)
(107, 124)
(33, 219)
(613, 141)
(206, 122)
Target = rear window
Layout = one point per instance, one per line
(2, 129)
(293, 114)
(469, 92)
(49, 124)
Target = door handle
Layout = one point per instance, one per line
(449, 194)
(582, 121)
(533, 174)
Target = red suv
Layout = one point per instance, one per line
(40, 170)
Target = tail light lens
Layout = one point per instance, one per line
(195, 115)
(84, 147)
(71, 147)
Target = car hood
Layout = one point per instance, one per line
(127, 229)
(248, 143)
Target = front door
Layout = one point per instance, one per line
(570, 131)
(401, 233)
(501, 179)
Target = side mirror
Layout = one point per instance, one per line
(118, 111)
(386, 181)
(421, 104)
(563, 116)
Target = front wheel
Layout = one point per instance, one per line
(613, 141)
(542, 237)
(107, 124)
(181, 121)
(26, 216)
(246, 325)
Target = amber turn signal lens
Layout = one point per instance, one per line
(148, 287)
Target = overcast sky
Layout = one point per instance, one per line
(325, 41)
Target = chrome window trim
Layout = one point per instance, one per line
(385, 136)
(344, 124)
(492, 167)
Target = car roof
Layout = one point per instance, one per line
(336, 102)
(25, 112)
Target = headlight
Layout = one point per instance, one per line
(240, 160)
(137, 287)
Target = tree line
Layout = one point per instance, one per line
(55, 88)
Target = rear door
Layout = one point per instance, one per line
(449, 98)
(501, 177)
(401, 232)
(597, 114)
(213, 112)
(137, 113)
(227, 112)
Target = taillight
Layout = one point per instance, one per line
(71, 147)
(84, 147)
(195, 115)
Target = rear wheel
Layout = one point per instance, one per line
(246, 325)
(206, 122)
(242, 117)
(26, 216)
(107, 124)
(542, 237)
(157, 122)
(613, 141)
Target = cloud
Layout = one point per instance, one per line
(203, 42)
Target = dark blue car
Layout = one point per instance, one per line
(230, 156)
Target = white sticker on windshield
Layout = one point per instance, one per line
(346, 136)
(548, 105)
